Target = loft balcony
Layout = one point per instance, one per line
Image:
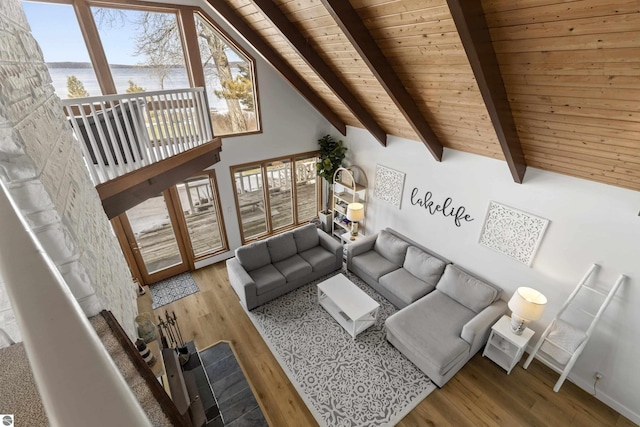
(136, 145)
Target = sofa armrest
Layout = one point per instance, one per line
(242, 283)
(330, 244)
(476, 331)
(360, 246)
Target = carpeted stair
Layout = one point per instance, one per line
(19, 394)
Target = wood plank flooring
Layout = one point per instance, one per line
(481, 394)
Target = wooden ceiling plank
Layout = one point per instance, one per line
(230, 15)
(354, 29)
(558, 12)
(329, 76)
(474, 33)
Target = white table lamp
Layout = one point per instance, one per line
(526, 305)
(355, 213)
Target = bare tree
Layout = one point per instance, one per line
(158, 41)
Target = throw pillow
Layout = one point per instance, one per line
(391, 247)
(473, 293)
(424, 266)
(254, 255)
(281, 247)
(306, 237)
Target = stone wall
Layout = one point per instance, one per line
(42, 166)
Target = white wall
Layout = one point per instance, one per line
(290, 125)
(589, 223)
(42, 166)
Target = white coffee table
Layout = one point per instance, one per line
(352, 308)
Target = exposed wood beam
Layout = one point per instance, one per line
(130, 189)
(276, 60)
(352, 26)
(470, 21)
(313, 59)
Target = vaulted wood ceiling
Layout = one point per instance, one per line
(571, 70)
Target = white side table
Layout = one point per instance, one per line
(504, 347)
(345, 238)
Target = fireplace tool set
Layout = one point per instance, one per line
(171, 337)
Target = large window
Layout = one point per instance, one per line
(275, 194)
(63, 48)
(143, 46)
(229, 74)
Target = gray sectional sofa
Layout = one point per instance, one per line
(264, 270)
(446, 313)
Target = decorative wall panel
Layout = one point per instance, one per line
(512, 232)
(388, 185)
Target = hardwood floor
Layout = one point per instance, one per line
(480, 394)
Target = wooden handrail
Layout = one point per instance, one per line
(167, 405)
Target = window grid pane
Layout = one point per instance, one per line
(280, 193)
(251, 206)
(230, 85)
(199, 201)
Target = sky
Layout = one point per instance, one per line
(56, 29)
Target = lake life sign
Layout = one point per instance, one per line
(445, 209)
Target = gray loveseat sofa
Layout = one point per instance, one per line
(264, 270)
(446, 313)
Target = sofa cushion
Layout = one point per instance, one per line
(424, 266)
(318, 257)
(267, 279)
(431, 327)
(373, 264)
(467, 290)
(306, 237)
(405, 286)
(391, 247)
(281, 247)
(293, 268)
(254, 255)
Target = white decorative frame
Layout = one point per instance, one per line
(389, 185)
(512, 232)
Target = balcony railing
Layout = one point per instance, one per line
(121, 133)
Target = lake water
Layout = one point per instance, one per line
(143, 77)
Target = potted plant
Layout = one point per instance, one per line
(332, 154)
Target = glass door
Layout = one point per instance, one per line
(150, 228)
(280, 193)
(202, 215)
(250, 201)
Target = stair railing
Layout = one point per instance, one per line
(78, 382)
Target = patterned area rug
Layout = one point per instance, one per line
(344, 382)
(172, 289)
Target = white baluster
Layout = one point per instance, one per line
(83, 144)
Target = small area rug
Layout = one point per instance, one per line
(172, 289)
(344, 382)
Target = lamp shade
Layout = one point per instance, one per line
(355, 212)
(527, 303)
